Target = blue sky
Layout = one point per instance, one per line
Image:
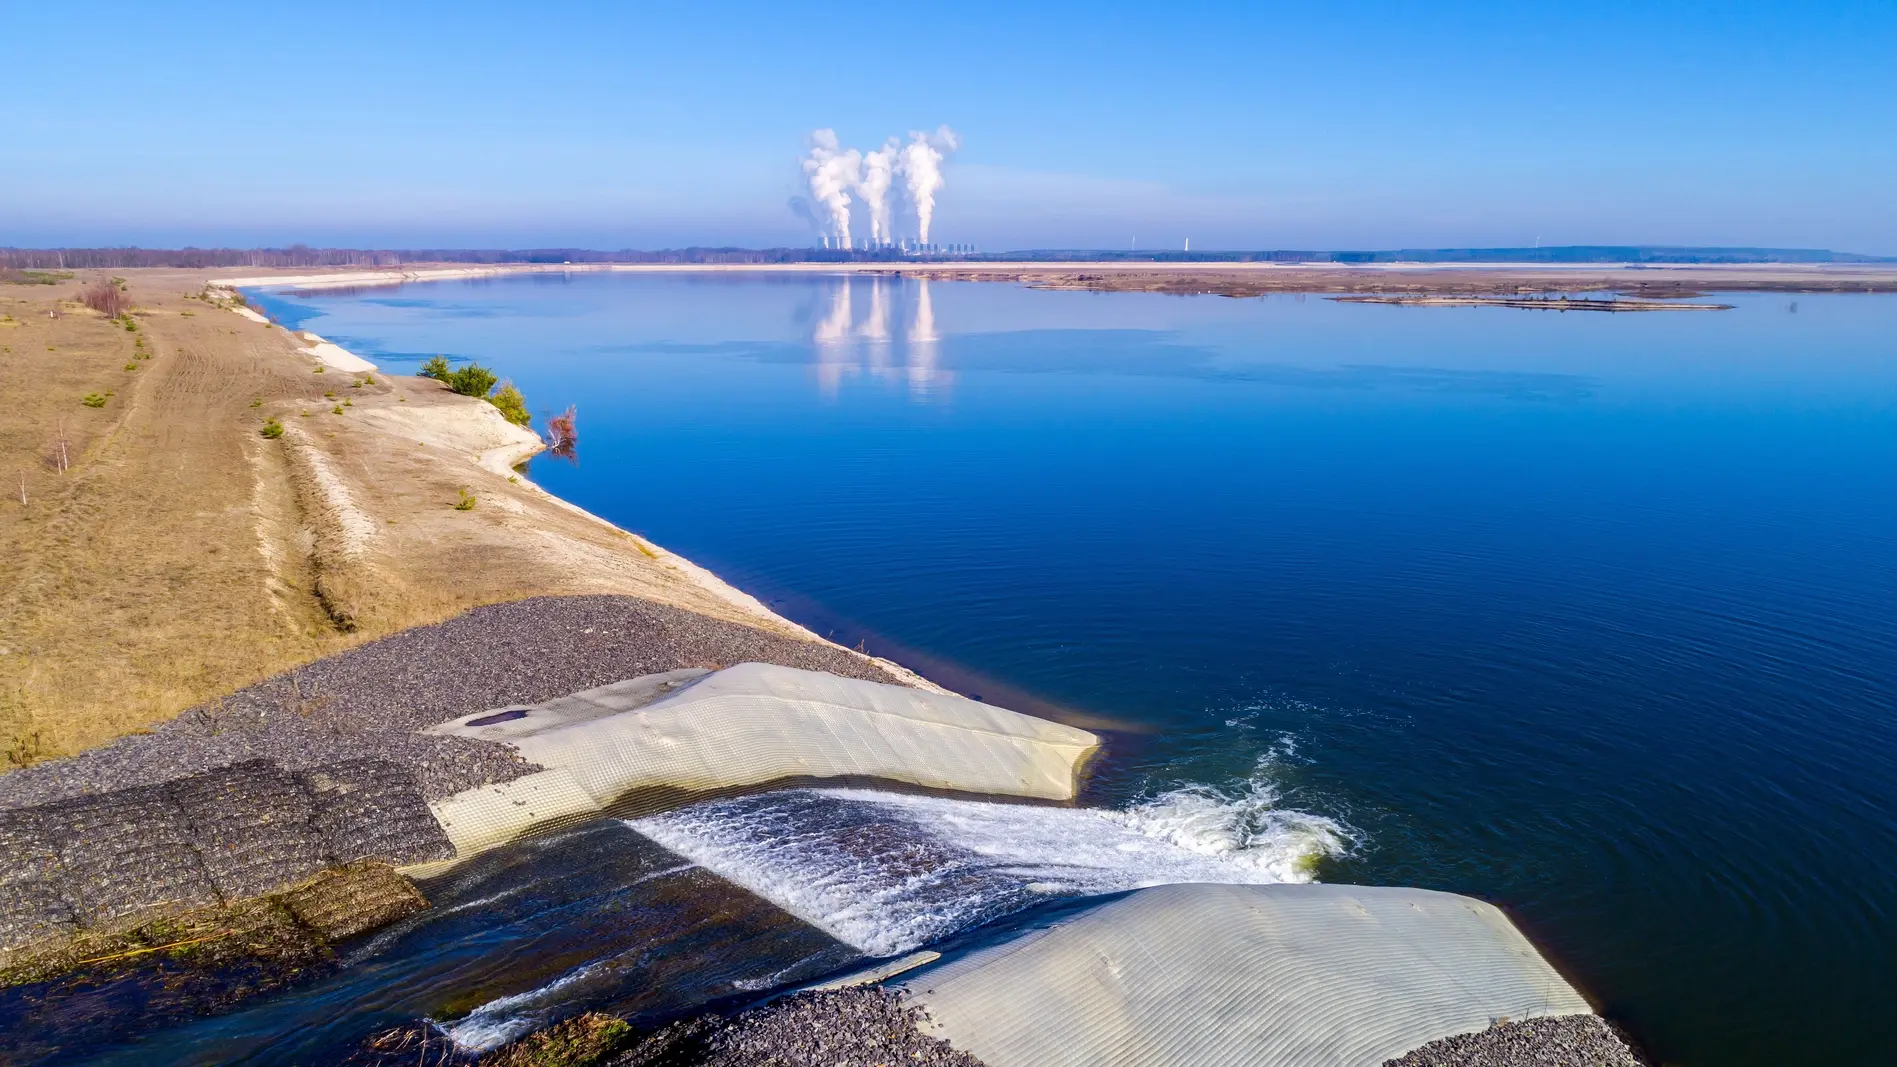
(1083, 125)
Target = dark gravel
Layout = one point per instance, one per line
(1559, 1041)
(866, 1026)
(367, 702)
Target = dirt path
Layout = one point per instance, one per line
(180, 555)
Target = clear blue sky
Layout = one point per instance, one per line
(1084, 125)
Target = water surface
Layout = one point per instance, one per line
(1591, 616)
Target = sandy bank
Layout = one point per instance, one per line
(251, 554)
(1226, 279)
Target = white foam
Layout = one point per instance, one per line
(888, 872)
(503, 1019)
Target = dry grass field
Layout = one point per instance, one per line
(161, 550)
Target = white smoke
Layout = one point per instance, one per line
(833, 171)
(921, 167)
(878, 172)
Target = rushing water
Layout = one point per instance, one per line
(1594, 616)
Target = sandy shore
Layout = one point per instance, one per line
(1658, 281)
(164, 552)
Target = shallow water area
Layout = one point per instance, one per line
(1593, 616)
(596, 917)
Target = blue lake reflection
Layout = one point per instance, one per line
(1594, 616)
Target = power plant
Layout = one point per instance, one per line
(900, 247)
(837, 175)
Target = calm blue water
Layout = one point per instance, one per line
(1592, 616)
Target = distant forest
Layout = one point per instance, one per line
(303, 256)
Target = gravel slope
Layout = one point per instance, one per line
(865, 1026)
(1557, 1041)
(367, 702)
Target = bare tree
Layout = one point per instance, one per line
(107, 299)
(58, 456)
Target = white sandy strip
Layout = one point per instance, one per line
(333, 355)
(356, 527)
(328, 353)
(398, 277)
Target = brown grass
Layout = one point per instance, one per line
(182, 555)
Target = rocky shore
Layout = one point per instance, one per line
(368, 702)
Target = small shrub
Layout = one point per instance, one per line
(436, 368)
(511, 404)
(337, 410)
(25, 750)
(272, 429)
(319, 368)
(133, 365)
(472, 380)
(348, 403)
(367, 379)
(466, 503)
(106, 299)
(329, 396)
(93, 400)
(257, 403)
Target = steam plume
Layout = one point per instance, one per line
(833, 172)
(878, 171)
(921, 166)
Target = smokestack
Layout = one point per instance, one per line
(921, 166)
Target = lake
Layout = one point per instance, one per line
(1593, 616)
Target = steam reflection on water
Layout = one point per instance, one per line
(847, 347)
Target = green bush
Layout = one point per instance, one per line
(436, 368)
(472, 380)
(272, 429)
(466, 503)
(511, 403)
(93, 400)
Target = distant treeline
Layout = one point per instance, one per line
(1562, 254)
(303, 256)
